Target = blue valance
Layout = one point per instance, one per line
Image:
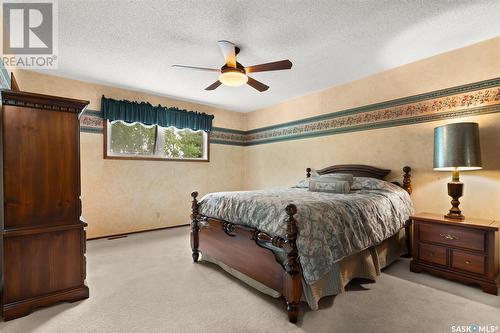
(148, 114)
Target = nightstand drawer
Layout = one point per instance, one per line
(432, 253)
(472, 239)
(467, 261)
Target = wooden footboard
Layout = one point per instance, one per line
(235, 246)
(238, 246)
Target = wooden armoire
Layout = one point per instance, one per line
(43, 252)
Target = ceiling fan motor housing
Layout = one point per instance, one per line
(239, 67)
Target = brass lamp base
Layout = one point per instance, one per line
(455, 191)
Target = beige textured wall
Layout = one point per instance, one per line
(283, 163)
(121, 196)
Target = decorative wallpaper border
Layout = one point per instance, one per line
(467, 100)
(91, 121)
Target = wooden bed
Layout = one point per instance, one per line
(236, 245)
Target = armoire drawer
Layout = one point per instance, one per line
(42, 263)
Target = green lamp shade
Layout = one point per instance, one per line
(456, 147)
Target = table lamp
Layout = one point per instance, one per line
(456, 148)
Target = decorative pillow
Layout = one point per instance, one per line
(304, 183)
(338, 176)
(339, 186)
(367, 183)
(332, 177)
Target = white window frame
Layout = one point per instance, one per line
(159, 144)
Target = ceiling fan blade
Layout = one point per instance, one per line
(228, 50)
(214, 85)
(197, 68)
(257, 85)
(270, 66)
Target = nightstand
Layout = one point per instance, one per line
(463, 250)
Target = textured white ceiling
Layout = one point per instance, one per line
(132, 44)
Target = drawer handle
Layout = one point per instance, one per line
(431, 254)
(467, 262)
(448, 236)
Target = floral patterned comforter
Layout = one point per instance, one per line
(330, 226)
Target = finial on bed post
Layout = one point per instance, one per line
(194, 227)
(292, 284)
(308, 172)
(407, 179)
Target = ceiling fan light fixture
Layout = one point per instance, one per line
(234, 74)
(233, 78)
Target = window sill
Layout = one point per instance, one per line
(144, 158)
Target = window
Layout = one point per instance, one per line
(139, 141)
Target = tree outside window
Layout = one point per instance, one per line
(141, 141)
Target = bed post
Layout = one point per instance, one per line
(408, 231)
(407, 179)
(308, 172)
(292, 287)
(194, 227)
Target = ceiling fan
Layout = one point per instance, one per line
(234, 74)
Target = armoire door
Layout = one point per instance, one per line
(41, 167)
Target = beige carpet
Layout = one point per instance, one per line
(148, 283)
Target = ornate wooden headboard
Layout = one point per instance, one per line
(360, 170)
